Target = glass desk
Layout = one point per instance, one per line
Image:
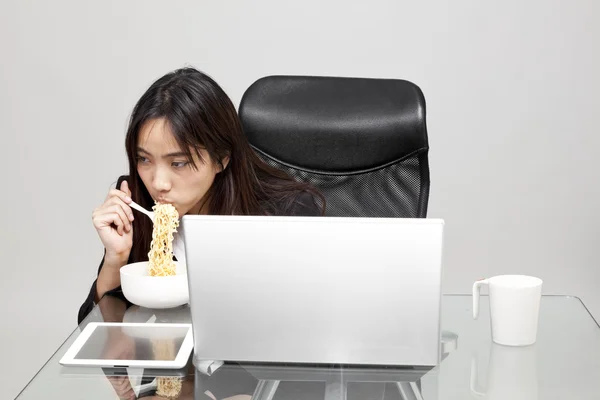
(563, 364)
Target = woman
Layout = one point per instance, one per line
(186, 146)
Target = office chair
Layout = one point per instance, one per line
(361, 142)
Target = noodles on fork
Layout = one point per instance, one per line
(160, 257)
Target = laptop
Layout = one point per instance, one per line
(315, 290)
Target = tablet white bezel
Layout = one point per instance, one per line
(180, 361)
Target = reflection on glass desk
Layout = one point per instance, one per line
(563, 364)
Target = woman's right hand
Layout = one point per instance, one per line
(113, 222)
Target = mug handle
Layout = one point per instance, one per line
(476, 289)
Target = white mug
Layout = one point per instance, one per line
(511, 375)
(514, 308)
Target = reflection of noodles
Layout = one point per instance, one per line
(160, 257)
(168, 387)
(163, 349)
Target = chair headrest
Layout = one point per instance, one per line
(334, 124)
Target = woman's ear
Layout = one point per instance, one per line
(224, 163)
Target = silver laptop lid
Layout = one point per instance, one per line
(315, 289)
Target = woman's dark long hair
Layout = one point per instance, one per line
(200, 114)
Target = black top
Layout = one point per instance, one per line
(304, 205)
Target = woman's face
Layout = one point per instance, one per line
(168, 176)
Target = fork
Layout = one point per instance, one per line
(141, 209)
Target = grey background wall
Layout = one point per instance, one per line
(511, 89)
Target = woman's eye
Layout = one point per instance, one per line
(179, 164)
(142, 160)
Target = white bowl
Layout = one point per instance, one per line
(154, 291)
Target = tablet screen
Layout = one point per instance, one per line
(143, 342)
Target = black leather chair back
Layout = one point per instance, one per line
(361, 142)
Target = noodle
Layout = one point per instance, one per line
(163, 349)
(160, 257)
(169, 387)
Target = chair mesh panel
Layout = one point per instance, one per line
(392, 191)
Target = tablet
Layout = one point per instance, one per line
(74, 372)
(124, 345)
